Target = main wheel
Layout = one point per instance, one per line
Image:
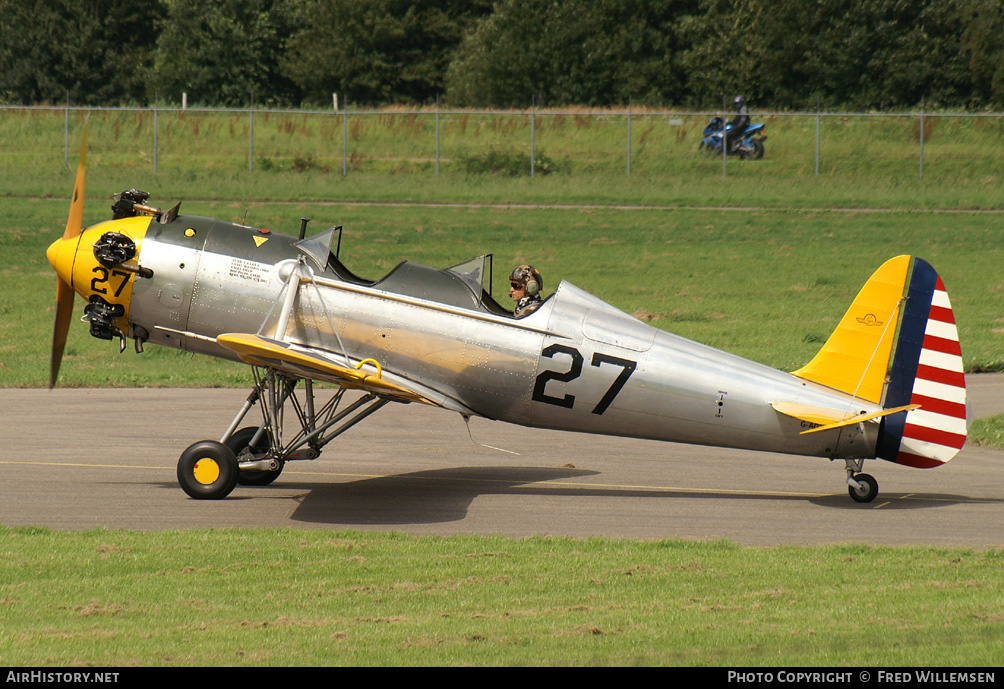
(208, 470)
(867, 492)
(238, 443)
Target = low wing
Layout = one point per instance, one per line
(311, 363)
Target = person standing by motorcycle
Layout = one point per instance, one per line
(739, 123)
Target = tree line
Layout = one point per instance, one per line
(780, 54)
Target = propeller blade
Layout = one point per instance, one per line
(76, 217)
(64, 292)
(60, 327)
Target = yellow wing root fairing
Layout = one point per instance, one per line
(855, 359)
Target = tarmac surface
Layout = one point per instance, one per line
(86, 458)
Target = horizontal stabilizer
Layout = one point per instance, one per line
(873, 416)
(811, 414)
(828, 419)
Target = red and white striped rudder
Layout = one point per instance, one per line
(927, 370)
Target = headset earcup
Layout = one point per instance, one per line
(532, 288)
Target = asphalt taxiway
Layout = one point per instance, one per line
(85, 458)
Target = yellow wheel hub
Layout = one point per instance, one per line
(206, 471)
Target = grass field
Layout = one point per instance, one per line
(343, 598)
(768, 283)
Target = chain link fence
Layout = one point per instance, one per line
(530, 142)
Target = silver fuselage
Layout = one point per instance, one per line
(576, 364)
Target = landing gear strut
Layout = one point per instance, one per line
(250, 445)
(256, 455)
(861, 487)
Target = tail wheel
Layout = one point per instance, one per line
(238, 443)
(867, 491)
(208, 470)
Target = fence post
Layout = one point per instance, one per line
(437, 135)
(533, 132)
(629, 138)
(345, 137)
(725, 118)
(155, 133)
(817, 137)
(66, 134)
(251, 135)
(921, 169)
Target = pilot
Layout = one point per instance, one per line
(525, 284)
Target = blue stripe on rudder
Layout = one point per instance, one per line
(907, 357)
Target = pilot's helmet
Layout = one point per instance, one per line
(738, 101)
(528, 278)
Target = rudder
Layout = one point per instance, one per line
(926, 370)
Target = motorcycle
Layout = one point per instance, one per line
(748, 147)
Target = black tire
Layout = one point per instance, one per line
(207, 470)
(238, 443)
(758, 149)
(869, 489)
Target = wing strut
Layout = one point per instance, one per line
(299, 274)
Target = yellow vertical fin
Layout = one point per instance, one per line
(855, 359)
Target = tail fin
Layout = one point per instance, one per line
(927, 370)
(855, 359)
(926, 367)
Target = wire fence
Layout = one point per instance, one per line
(432, 139)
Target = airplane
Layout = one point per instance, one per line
(887, 384)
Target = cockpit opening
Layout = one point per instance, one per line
(466, 285)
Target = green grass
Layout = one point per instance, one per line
(988, 432)
(346, 598)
